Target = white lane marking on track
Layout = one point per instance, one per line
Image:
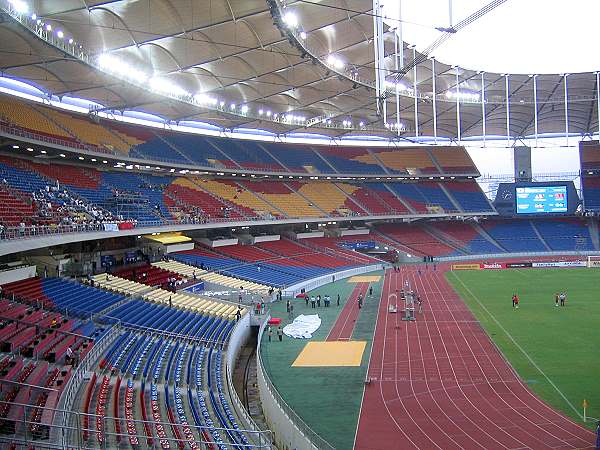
(521, 349)
(452, 293)
(460, 385)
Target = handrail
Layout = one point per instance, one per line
(85, 365)
(71, 433)
(316, 440)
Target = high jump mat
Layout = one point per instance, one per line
(331, 354)
(364, 279)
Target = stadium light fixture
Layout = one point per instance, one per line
(290, 19)
(335, 62)
(71, 41)
(62, 155)
(60, 34)
(244, 109)
(34, 16)
(43, 152)
(303, 35)
(104, 161)
(19, 6)
(260, 112)
(29, 149)
(221, 103)
(268, 113)
(81, 158)
(165, 86)
(232, 106)
(15, 146)
(93, 159)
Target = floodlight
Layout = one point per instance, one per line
(19, 6)
(60, 34)
(244, 109)
(303, 35)
(48, 27)
(290, 19)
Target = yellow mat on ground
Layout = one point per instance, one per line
(331, 354)
(365, 279)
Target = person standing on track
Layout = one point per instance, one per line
(420, 303)
(515, 301)
(338, 300)
(313, 302)
(556, 299)
(319, 300)
(370, 291)
(360, 301)
(280, 333)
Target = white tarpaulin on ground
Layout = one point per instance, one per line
(303, 326)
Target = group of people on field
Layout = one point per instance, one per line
(559, 299)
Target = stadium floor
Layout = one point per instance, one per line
(554, 349)
(441, 383)
(327, 398)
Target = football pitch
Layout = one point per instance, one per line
(555, 350)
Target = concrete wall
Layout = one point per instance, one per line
(314, 283)
(179, 247)
(17, 274)
(285, 432)
(360, 231)
(272, 237)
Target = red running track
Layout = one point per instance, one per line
(344, 325)
(440, 383)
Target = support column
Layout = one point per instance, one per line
(483, 121)
(378, 46)
(415, 92)
(435, 101)
(507, 84)
(566, 109)
(458, 130)
(535, 110)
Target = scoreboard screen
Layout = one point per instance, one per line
(541, 199)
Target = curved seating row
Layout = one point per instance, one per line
(196, 303)
(211, 277)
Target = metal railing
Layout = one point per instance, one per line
(31, 426)
(36, 231)
(316, 440)
(74, 382)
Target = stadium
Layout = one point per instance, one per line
(299, 224)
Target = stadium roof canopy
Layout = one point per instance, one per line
(306, 66)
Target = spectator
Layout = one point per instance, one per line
(269, 333)
(280, 333)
